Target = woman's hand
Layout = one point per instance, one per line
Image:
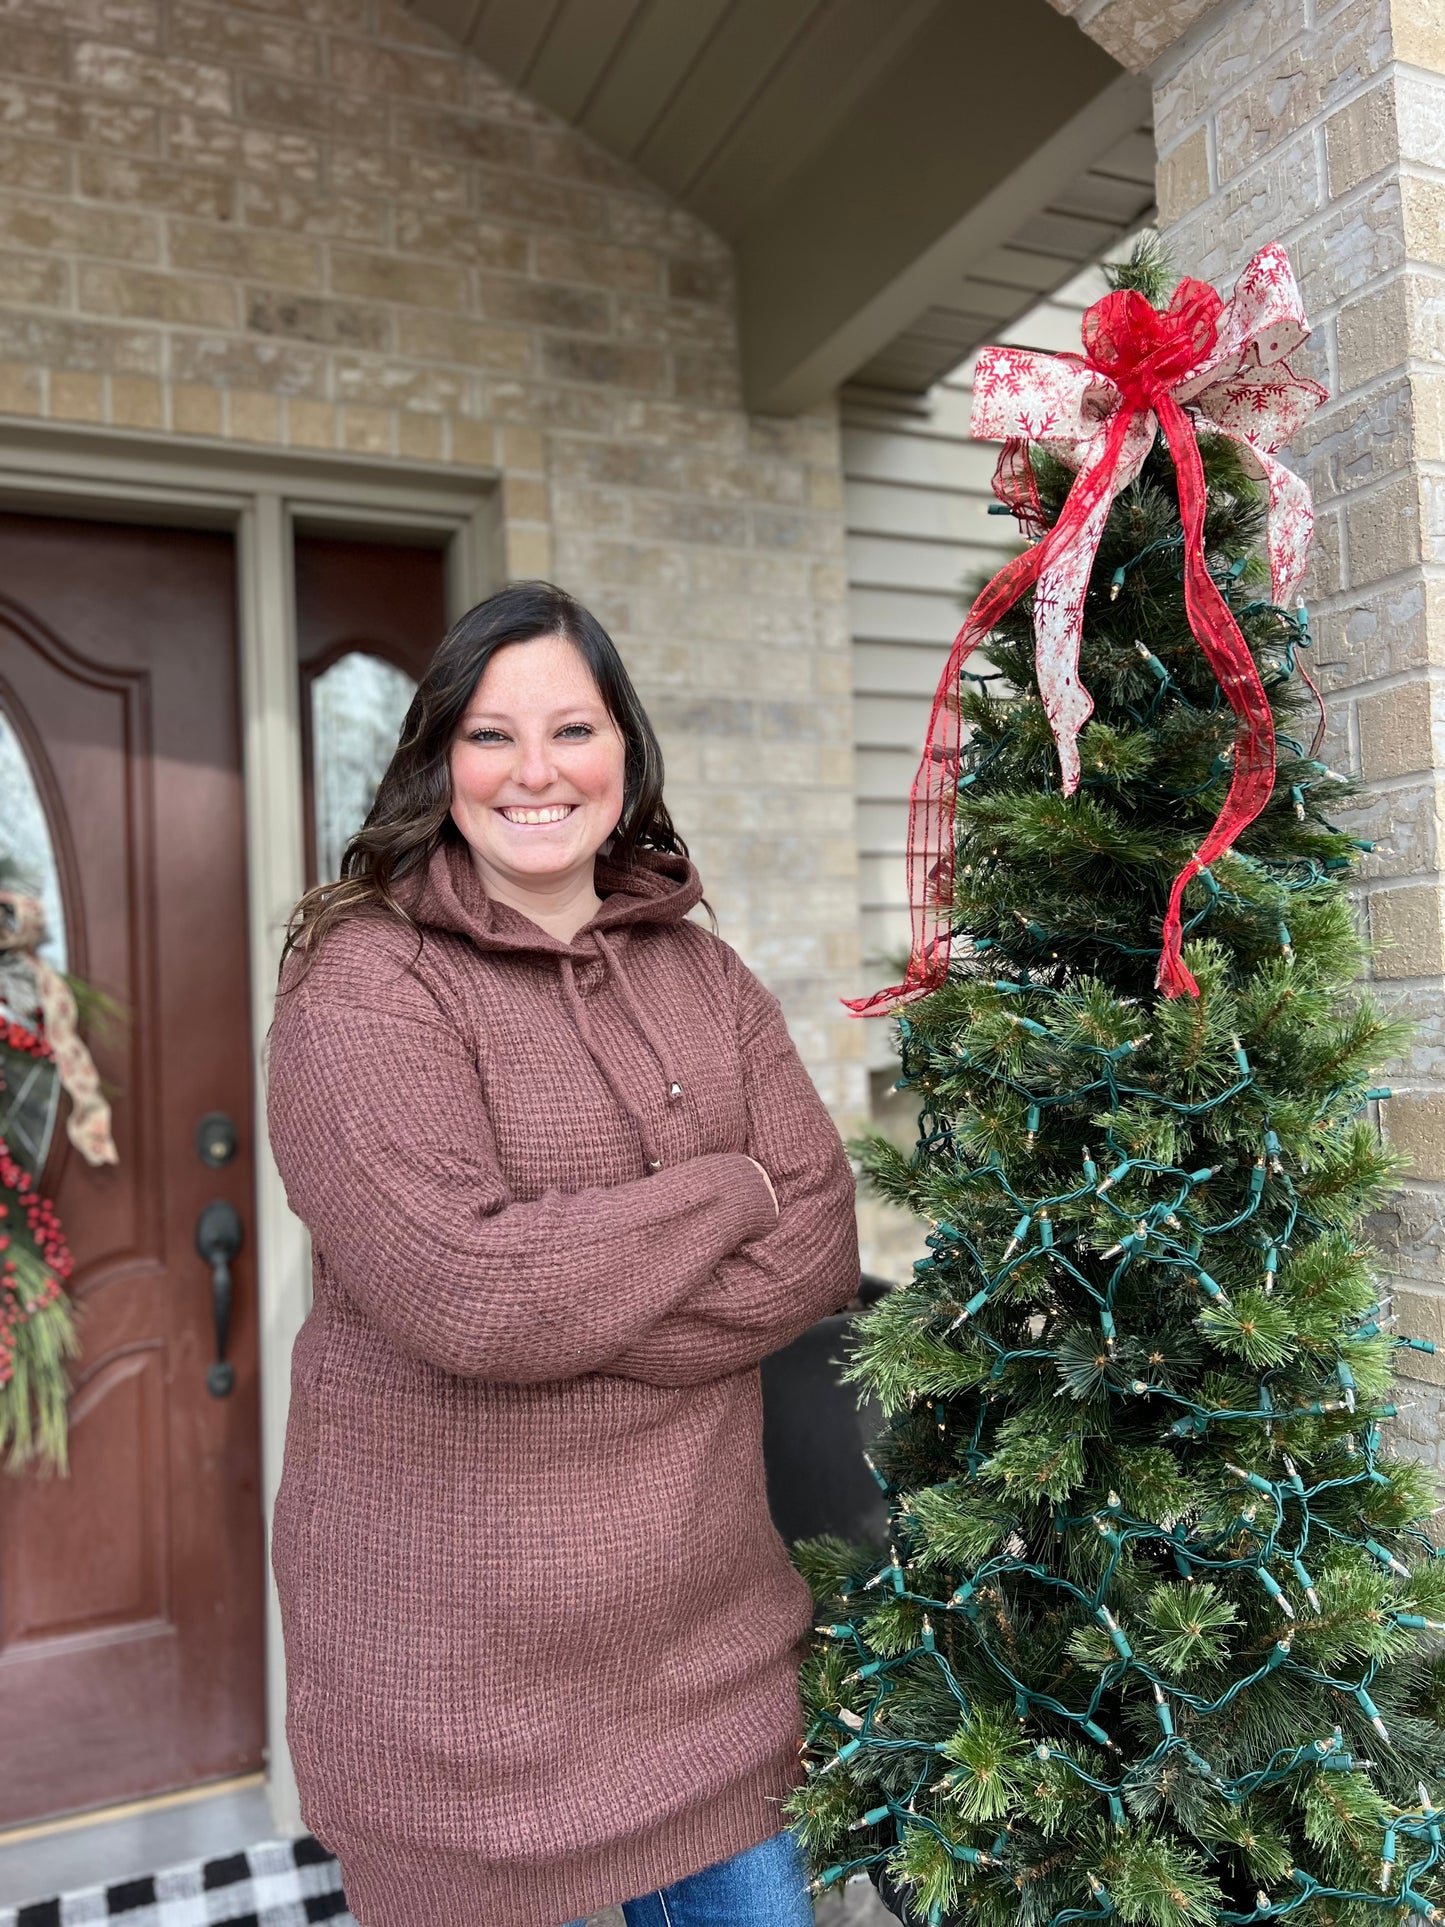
(767, 1181)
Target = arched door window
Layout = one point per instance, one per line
(357, 708)
(27, 854)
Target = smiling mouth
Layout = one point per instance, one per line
(552, 813)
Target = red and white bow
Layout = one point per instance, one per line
(1141, 370)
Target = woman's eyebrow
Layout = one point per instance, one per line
(577, 709)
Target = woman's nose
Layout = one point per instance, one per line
(535, 768)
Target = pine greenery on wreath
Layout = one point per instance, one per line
(1157, 1636)
(37, 1326)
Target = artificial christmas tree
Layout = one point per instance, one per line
(1156, 1635)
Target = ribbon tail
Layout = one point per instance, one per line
(1291, 517)
(1289, 532)
(88, 1126)
(1252, 782)
(1071, 546)
(1058, 635)
(934, 795)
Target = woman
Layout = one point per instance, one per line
(567, 1183)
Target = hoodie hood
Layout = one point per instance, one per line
(657, 887)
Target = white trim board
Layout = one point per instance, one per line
(262, 496)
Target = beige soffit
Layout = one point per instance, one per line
(883, 168)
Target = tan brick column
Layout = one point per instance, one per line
(1321, 124)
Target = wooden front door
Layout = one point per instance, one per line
(132, 1593)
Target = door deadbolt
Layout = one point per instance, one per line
(215, 1139)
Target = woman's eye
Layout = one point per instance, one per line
(485, 733)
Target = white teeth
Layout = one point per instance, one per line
(553, 814)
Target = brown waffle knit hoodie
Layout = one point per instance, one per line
(541, 1634)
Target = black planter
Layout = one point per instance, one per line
(815, 1434)
(893, 1900)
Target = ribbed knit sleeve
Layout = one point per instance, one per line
(763, 1296)
(381, 1133)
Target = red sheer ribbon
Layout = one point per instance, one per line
(1016, 486)
(1144, 353)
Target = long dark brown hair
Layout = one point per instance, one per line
(412, 811)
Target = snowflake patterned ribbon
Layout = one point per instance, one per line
(1201, 364)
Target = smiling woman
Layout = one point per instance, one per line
(567, 1182)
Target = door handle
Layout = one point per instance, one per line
(218, 1238)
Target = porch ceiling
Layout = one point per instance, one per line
(899, 178)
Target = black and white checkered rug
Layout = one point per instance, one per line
(280, 1883)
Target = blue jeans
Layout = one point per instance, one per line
(763, 1886)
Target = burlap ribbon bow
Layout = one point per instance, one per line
(22, 931)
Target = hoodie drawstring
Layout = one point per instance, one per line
(672, 1088)
(578, 1011)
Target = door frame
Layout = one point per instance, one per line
(261, 497)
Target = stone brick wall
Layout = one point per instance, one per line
(1321, 123)
(1135, 32)
(311, 224)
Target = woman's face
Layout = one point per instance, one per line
(536, 767)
